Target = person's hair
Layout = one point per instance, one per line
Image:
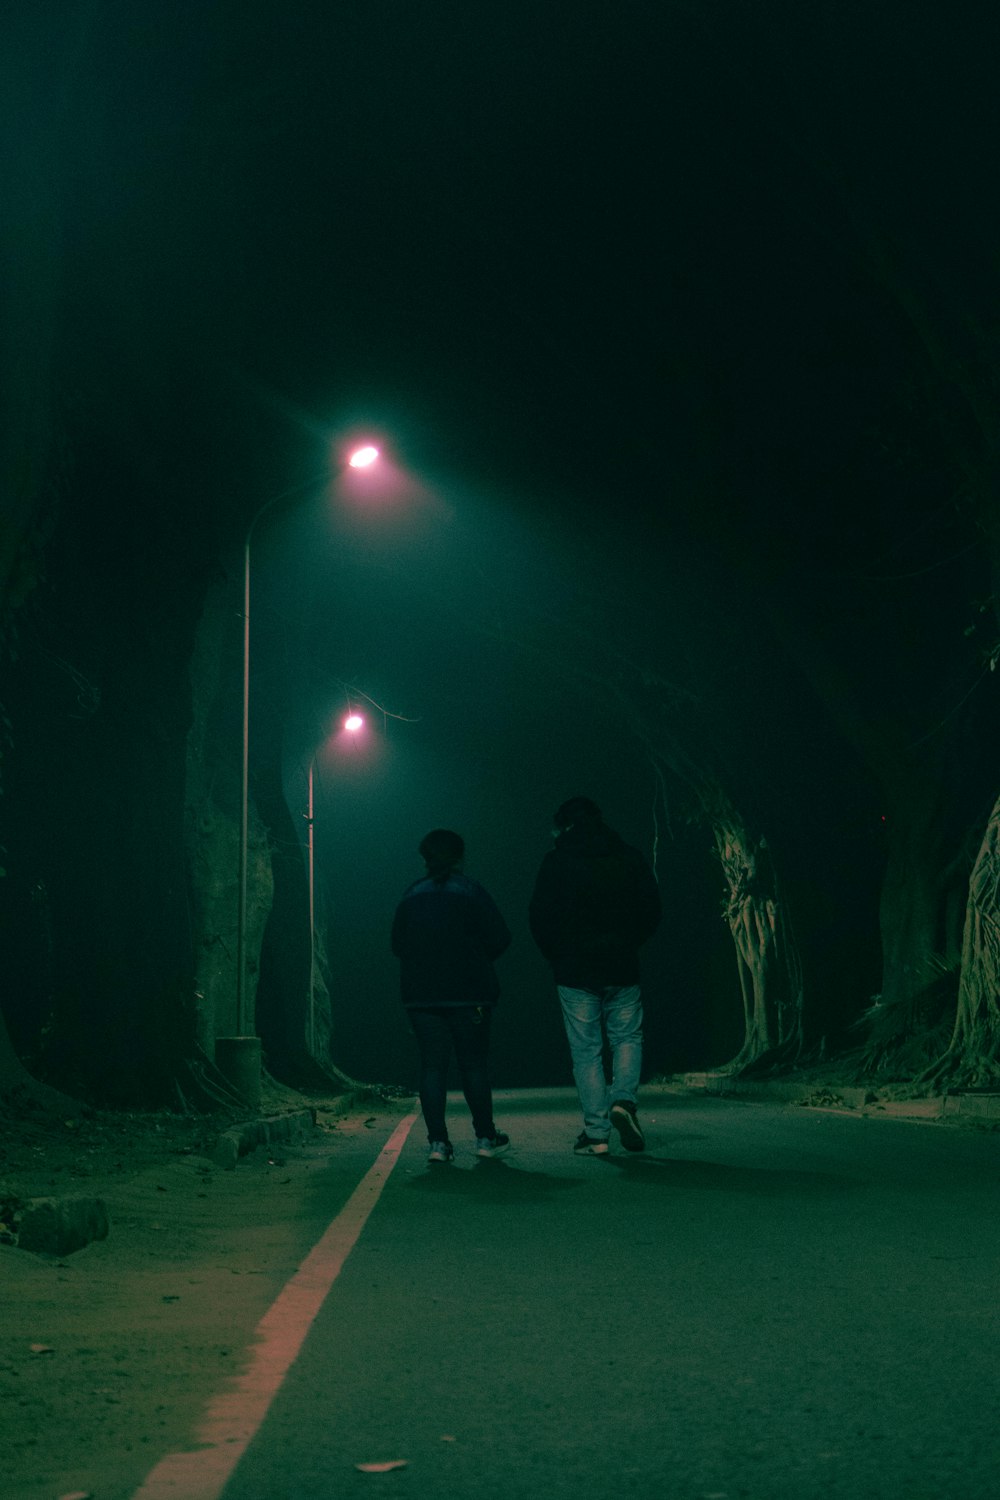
(576, 810)
(442, 850)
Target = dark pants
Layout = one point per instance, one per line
(467, 1029)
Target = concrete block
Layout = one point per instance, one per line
(225, 1151)
(976, 1106)
(58, 1226)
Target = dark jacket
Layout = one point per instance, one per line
(595, 903)
(446, 935)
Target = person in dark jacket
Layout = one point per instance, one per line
(447, 932)
(595, 903)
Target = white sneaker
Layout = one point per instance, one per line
(491, 1145)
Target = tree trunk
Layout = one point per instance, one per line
(920, 934)
(19, 1088)
(35, 63)
(212, 822)
(973, 1056)
(921, 911)
(766, 953)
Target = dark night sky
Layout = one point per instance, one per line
(597, 275)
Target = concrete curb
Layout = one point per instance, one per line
(778, 1089)
(61, 1226)
(973, 1106)
(227, 1149)
(866, 1101)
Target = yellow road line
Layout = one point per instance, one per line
(233, 1418)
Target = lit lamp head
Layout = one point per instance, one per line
(353, 722)
(363, 458)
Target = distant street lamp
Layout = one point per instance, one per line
(361, 458)
(353, 723)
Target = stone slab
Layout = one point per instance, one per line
(976, 1106)
(58, 1226)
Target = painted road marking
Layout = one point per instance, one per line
(233, 1418)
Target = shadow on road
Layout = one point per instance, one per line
(493, 1182)
(669, 1172)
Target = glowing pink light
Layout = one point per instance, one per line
(363, 458)
(353, 722)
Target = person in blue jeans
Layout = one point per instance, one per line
(447, 933)
(594, 904)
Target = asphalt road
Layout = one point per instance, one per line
(770, 1302)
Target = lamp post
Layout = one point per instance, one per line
(352, 724)
(361, 458)
(311, 824)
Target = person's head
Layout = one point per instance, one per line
(576, 810)
(442, 851)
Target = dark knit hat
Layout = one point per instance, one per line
(576, 810)
(442, 850)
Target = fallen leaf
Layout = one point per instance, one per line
(447, 1437)
(42, 1349)
(78, 1495)
(384, 1467)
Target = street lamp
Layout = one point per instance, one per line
(361, 458)
(352, 723)
(364, 457)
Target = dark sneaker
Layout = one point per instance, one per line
(623, 1118)
(585, 1145)
(440, 1151)
(491, 1145)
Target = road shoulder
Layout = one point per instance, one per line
(109, 1354)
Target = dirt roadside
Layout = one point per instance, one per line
(108, 1355)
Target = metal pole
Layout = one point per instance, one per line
(243, 1017)
(241, 921)
(312, 920)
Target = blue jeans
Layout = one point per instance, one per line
(586, 1014)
